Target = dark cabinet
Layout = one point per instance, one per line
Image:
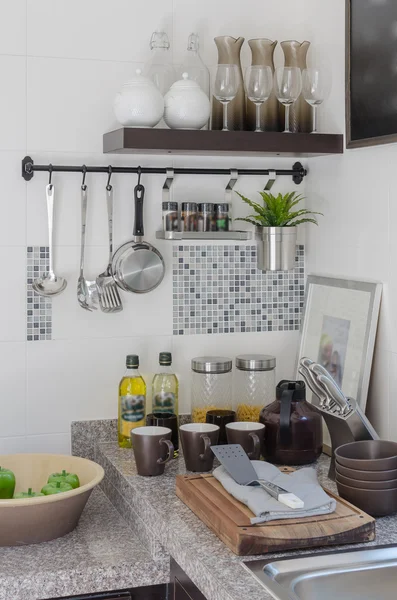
(182, 587)
(153, 592)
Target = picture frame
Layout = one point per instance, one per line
(371, 116)
(338, 330)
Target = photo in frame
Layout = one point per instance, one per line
(339, 329)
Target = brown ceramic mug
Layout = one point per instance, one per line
(196, 440)
(249, 435)
(152, 449)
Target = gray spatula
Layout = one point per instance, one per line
(238, 465)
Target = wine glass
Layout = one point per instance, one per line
(288, 87)
(258, 86)
(316, 85)
(226, 87)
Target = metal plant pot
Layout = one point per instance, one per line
(276, 248)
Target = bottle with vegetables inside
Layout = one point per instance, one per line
(165, 397)
(165, 387)
(132, 401)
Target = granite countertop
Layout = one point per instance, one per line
(101, 554)
(169, 526)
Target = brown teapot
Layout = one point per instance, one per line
(294, 430)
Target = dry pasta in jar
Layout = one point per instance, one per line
(254, 385)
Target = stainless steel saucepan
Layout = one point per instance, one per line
(138, 266)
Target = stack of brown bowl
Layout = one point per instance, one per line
(366, 475)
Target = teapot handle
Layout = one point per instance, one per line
(285, 417)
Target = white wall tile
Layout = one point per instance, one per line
(70, 102)
(83, 380)
(12, 390)
(13, 303)
(281, 345)
(117, 30)
(12, 200)
(13, 27)
(143, 314)
(391, 414)
(379, 397)
(57, 443)
(13, 103)
(12, 445)
(256, 19)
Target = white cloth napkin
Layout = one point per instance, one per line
(303, 483)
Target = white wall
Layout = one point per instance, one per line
(357, 194)
(61, 63)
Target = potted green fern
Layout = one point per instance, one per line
(276, 223)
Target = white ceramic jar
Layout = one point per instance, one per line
(140, 103)
(186, 106)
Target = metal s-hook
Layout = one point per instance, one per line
(271, 181)
(139, 171)
(50, 171)
(229, 190)
(168, 184)
(108, 186)
(83, 185)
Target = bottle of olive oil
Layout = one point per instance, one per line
(132, 401)
(165, 387)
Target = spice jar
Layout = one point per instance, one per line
(254, 385)
(170, 216)
(222, 216)
(211, 386)
(206, 217)
(189, 216)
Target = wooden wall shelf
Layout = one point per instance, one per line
(128, 140)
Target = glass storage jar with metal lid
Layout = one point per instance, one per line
(254, 385)
(211, 385)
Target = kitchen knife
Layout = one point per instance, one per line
(335, 392)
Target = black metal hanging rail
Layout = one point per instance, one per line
(298, 172)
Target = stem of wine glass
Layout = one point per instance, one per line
(287, 129)
(258, 116)
(224, 104)
(314, 129)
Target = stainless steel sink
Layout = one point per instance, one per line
(365, 574)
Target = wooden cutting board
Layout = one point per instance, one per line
(229, 519)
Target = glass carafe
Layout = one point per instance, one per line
(193, 65)
(159, 67)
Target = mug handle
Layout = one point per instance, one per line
(170, 445)
(256, 453)
(207, 445)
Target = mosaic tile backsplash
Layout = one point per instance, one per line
(219, 289)
(38, 308)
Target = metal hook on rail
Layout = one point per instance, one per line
(108, 186)
(168, 184)
(271, 181)
(139, 171)
(83, 185)
(50, 172)
(230, 186)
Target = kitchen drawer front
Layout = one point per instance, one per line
(183, 587)
(153, 592)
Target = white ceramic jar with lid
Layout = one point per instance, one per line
(186, 106)
(140, 103)
(255, 385)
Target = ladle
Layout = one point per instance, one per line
(50, 284)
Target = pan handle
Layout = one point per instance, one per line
(139, 193)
